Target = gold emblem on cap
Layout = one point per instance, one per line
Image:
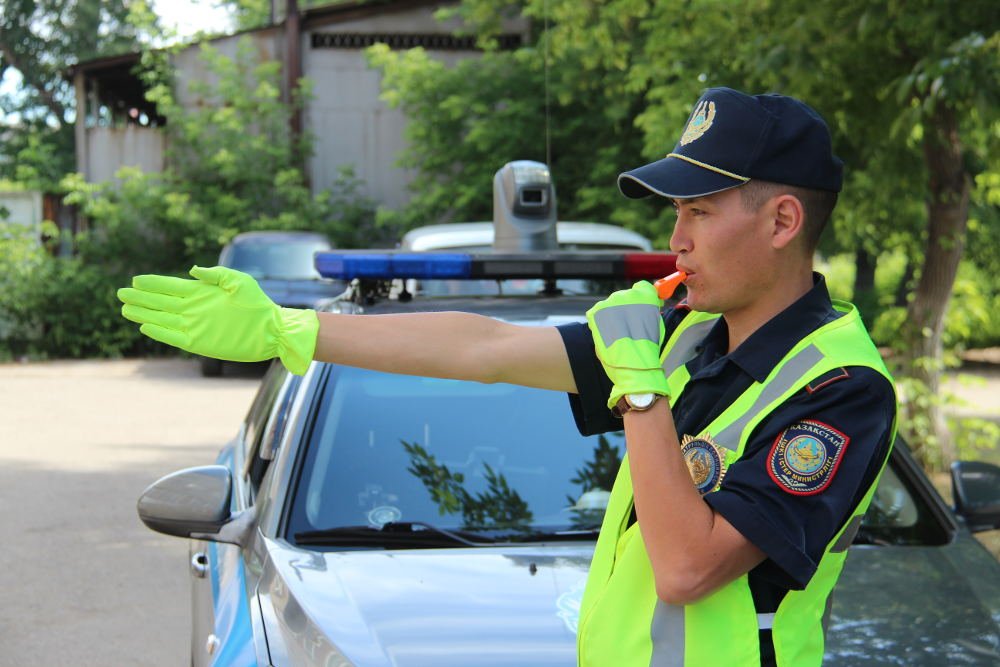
(706, 461)
(700, 121)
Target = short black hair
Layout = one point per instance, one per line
(818, 204)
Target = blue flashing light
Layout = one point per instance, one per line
(594, 265)
(430, 266)
(384, 266)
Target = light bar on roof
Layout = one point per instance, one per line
(596, 265)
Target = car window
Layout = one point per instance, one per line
(456, 454)
(260, 409)
(899, 513)
(260, 456)
(278, 260)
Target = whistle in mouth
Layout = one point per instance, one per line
(665, 286)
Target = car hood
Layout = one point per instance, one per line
(914, 606)
(404, 608)
(917, 606)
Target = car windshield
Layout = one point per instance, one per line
(278, 260)
(497, 460)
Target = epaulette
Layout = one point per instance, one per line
(827, 378)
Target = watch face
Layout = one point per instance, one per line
(640, 401)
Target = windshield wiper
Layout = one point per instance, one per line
(409, 533)
(563, 535)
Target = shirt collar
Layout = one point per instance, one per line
(761, 352)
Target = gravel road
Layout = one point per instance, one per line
(84, 582)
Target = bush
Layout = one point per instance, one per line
(57, 307)
(972, 320)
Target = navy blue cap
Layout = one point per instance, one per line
(732, 138)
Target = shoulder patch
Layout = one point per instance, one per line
(805, 456)
(827, 378)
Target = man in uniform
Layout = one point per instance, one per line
(758, 414)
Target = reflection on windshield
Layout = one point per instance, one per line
(498, 506)
(460, 455)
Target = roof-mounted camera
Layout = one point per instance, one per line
(524, 208)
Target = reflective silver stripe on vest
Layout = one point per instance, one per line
(786, 378)
(640, 321)
(847, 537)
(827, 613)
(667, 633)
(683, 350)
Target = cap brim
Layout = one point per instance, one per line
(674, 178)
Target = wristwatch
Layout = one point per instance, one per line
(637, 402)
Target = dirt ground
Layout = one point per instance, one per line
(84, 582)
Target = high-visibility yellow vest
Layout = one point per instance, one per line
(623, 622)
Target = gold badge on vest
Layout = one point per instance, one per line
(705, 460)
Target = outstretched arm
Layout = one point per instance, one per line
(460, 346)
(224, 314)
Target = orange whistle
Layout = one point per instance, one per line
(665, 286)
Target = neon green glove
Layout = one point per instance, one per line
(223, 314)
(628, 332)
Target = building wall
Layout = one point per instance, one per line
(24, 207)
(111, 148)
(351, 126)
(190, 66)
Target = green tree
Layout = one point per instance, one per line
(468, 120)
(917, 130)
(207, 194)
(232, 166)
(910, 91)
(40, 39)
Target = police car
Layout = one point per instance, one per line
(363, 518)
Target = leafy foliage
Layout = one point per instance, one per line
(468, 120)
(233, 166)
(41, 39)
(56, 307)
(916, 130)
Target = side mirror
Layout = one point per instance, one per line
(194, 503)
(976, 489)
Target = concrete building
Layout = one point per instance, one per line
(350, 124)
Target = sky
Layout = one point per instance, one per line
(190, 16)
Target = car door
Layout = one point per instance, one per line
(221, 629)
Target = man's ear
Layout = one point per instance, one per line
(789, 220)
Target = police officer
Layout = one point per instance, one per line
(758, 414)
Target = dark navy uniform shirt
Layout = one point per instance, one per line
(855, 405)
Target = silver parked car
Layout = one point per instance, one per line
(373, 519)
(363, 518)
